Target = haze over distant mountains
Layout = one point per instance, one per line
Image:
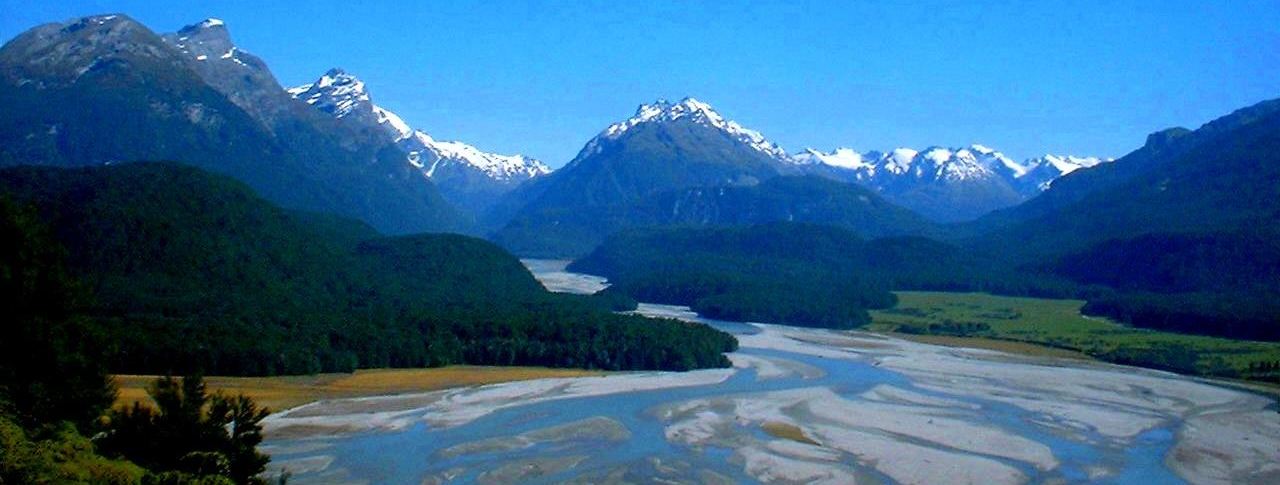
(614, 181)
(166, 206)
(104, 90)
(650, 168)
(335, 149)
(946, 184)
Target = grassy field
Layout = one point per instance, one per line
(279, 393)
(1058, 328)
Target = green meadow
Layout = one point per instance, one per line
(1007, 322)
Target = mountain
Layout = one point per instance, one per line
(1182, 230)
(1224, 176)
(242, 77)
(664, 147)
(105, 89)
(191, 271)
(1039, 173)
(1161, 148)
(944, 184)
(344, 97)
(791, 198)
(466, 176)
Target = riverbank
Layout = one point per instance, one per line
(1055, 328)
(802, 405)
(279, 393)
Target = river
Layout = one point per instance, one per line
(799, 406)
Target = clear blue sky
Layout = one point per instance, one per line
(541, 78)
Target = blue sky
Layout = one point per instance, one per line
(541, 78)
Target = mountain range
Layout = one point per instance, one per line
(945, 184)
(665, 147)
(468, 177)
(1220, 178)
(685, 163)
(167, 206)
(195, 96)
(106, 89)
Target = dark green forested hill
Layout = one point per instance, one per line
(804, 199)
(1216, 283)
(1222, 177)
(790, 273)
(192, 271)
(1181, 231)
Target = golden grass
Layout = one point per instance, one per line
(279, 393)
(787, 432)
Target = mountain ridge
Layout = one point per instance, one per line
(106, 89)
(925, 180)
(467, 176)
(671, 163)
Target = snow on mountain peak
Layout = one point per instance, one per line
(954, 164)
(97, 19)
(846, 158)
(696, 111)
(339, 94)
(1066, 164)
(997, 162)
(983, 149)
(937, 154)
(342, 94)
(974, 162)
(1042, 171)
(207, 39)
(495, 166)
(898, 161)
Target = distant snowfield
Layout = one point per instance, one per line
(867, 409)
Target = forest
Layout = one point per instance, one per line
(790, 273)
(56, 391)
(188, 272)
(1222, 283)
(811, 275)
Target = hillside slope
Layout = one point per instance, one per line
(191, 271)
(105, 89)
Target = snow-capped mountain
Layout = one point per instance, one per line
(106, 89)
(619, 175)
(1040, 172)
(343, 96)
(944, 183)
(663, 111)
(932, 163)
(467, 176)
(432, 156)
(207, 39)
(240, 76)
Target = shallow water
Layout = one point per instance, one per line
(422, 454)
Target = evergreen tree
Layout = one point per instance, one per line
(190, 434)
(51, 359)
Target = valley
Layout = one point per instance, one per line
(502, 269)
(799, 406)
